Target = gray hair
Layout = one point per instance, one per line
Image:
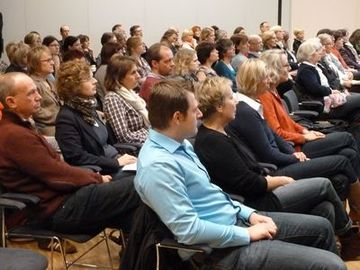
(307, 49)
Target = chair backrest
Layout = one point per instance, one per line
(291, 100)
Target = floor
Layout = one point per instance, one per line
(99, 255)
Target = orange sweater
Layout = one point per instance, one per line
(336, 52)
(279, 120)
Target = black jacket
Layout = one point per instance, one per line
(78, 142)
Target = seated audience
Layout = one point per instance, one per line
(207, 34)
(40, 66)
(88, 52)
(299, 37)
(255, 46)
(188, 41)
(355, 40)
(198, 212)
(32, 39)
(53, 44)
(207, 55)
(223, 67)
(136, 49)
(125, 111)
(107, 51)
(241, 43)
(312, 84)
(269, 40)
(17, 55)
(81, 134)
(250, 127)
(170, 39)
(233, 169)
(160, 58)
(72, 200)
(186, 65)
(347, 51)
(311, 143)
(197, 31)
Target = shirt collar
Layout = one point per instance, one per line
(251, 102)
(166, 142)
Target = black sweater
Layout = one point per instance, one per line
(232, 166)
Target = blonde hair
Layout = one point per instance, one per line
(210, 94)
(206, 32)
(17, 53)
(266, 36)
(182, 60)
(33, 57)
(250, 74)
(298, 31)
(69, 78)
(272, 58)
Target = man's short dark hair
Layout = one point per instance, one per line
(167, 97)
(153, 53)
(133, 29)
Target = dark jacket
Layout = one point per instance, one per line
(232, 166)
(253, 130)
(309, 84)
(28, 164)
(147, 230)
(79, 143)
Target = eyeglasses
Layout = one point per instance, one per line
(47, 60)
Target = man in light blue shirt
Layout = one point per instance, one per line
(171, 181)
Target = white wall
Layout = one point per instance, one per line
(313, 15)
(93, 17)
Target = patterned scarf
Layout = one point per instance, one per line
(86, 106)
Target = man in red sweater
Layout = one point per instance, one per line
(72, 200)
(160, 58)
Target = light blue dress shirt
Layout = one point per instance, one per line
(171, 180)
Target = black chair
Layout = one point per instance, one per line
(16, 202)
(307, 109)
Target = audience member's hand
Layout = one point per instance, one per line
(126, 159)
(300, 156)
(106, 178)
(313, 135)
(318, 133)
(263, 227)
(278, 181)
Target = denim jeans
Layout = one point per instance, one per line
(315, 196)
(303, 242)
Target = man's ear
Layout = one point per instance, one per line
(177, 117)
(10, 102)
(154, 64)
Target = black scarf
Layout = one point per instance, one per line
(86, 106)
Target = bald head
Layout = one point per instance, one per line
(8, 83)
(255, 43)
(18, 94)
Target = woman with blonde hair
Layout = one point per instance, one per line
(207, 34)
(17, 55)
(32, 39)
(40, 65)
(233, 167)
(125, 110)
(186, 64)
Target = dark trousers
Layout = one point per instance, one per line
(336, 143)
(302, 242)
(95, 207)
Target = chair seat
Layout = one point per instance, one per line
(21, 259)
(34, 232)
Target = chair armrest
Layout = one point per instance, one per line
(11, 204)
(312, 105)
(237, 197)
(306, 114)
(21, 197)
(121, 147)
(269, 166)
(173, 244)
(93, 168)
